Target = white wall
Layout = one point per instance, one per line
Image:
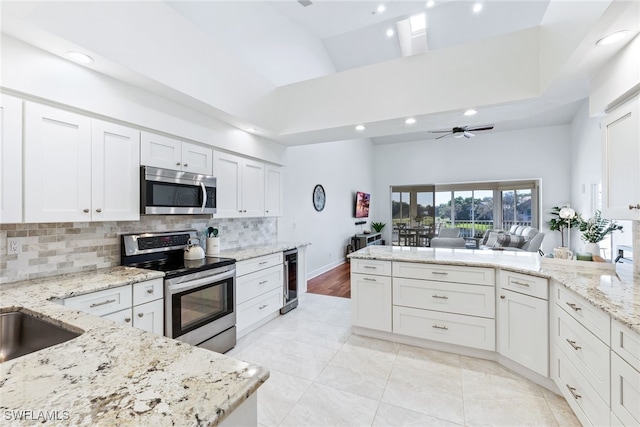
(342, 168)
(542, 153)
(31, 72)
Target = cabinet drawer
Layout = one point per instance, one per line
(534, 286)
(469, 331)
(253, 284)
(371, 266)
(595, 320)
(579, 394)
(458, 298)
(123, 316)
(259, 263)
(625, 391)
(444, 273)
(147, 291)
(585, 351)
(626, 343)
(254, 310)
(102, 302)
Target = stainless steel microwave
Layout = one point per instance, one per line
(166, 191)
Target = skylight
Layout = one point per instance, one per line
(418, 23)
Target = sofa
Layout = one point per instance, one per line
(448, 238)
(518, 238)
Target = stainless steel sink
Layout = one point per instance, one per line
(21, 334)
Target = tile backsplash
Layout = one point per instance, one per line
(50, 249)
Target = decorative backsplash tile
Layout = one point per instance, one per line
(50, 249)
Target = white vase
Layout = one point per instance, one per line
(592, 248)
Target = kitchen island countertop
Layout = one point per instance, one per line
(617, 292)
(115, 374)
(248, 252)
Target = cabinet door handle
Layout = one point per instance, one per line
(178, 164)
(186, 165)
(262, 262)
(442, 273)
(370, 267)
(440, 296)
(515, 282)
(150, 291)
(573, 344)
(127, 320)
(98, 210)
(572, 390)
(140, 314)
(85, 210)
(262, 282)
(573, 306)
(263, 306)
(502, 297)
(98, 304)
(440, 327)
(631, 207)
(368, 279)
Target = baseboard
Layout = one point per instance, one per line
(325, 268)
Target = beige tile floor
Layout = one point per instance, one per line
(323, 375)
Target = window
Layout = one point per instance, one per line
(472, 207)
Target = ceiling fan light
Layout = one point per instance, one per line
(458, 135)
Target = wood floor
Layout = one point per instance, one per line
(335, 283)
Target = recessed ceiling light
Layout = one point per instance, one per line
(381, 8)
(79, 57)
(360, 128)
(477, 7)
(431, 3)
(390, 32)
(612, 38)
(470, 112)
(410, 121)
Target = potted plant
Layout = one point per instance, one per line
(563, 218)
(378, 226)
(594, 230)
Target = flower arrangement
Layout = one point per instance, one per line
(595, 229)
(563, 218)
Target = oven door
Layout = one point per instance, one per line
(197, 310)
(164, 191)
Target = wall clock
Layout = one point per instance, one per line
(319, 198)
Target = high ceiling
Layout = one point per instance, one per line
(302, 75)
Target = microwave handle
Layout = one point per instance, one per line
(204, 196)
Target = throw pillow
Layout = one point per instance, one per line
(510, 241)
(492, 237)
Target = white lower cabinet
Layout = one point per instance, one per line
(469, 331)
(259, 291)
(371, 301)
(140, 305)
(523, 319)
(625, 391)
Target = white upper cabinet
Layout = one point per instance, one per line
(621, 162)
(163, 152)
(74, 173)
(57, 165)
(240, 186)
(115, 172)
(10, 159)
(272, 190)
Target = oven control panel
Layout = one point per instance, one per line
(137, 244)
(155, 242)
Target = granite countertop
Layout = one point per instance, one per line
(248, 252)
(616, 292)
(115, 374)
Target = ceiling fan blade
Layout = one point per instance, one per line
(442, 136)
(440, 131)
(459, 135)
(481, 127)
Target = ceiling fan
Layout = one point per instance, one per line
(462, 131)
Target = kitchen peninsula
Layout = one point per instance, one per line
(114, 374)
(574, 326)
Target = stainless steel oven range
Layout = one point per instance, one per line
(199, 295)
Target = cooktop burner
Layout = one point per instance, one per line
(165, 252)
